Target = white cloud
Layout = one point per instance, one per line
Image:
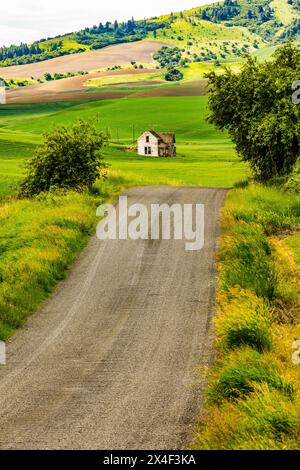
(29, 20)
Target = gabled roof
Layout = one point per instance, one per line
(156, 134)
(168, 137)
(165, 137)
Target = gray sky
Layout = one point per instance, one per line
(30, 20)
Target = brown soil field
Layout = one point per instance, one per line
(120, 54)
(72, 89)
(68, 89)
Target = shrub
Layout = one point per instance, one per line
(47, 76)
(245, 321)
(168, 56)
(70, 158)
(241, 184)
(246, 369)
(174, 75)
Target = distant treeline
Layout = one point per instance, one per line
(14, 83)
(27, 54)
(12, 52)
(114, 33)
(97, 37)
(232, 8)
(255, 15)
(59, 76)
(221, 12)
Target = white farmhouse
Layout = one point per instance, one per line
(157, 144)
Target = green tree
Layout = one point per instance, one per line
(256, 107)
(48, 76)
(173, 75)
(69, 158)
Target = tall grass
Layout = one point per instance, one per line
(39, 240)
(253, 400)
(249, 326)
(246, 368)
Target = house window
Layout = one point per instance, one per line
(147, 139)
(148, 151)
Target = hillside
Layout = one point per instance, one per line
(91, 60)
(221, 31)
(229, 29)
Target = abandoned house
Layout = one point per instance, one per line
(157, 144)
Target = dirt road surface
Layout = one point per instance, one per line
(116, 358)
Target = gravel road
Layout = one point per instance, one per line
(116, 358)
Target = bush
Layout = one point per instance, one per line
(48, 76)
(174, 75)
(238, 379)
(168, 56)
(245, 321)
(70, 158)
(241, 184)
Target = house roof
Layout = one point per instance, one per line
(156, 134)
(166, 137)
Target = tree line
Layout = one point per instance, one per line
(103, 35)
(97, 37)
(232, 8)
(24, 49)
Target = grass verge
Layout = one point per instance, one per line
(39, 240)
(253, 397)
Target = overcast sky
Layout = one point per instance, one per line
(30, 20)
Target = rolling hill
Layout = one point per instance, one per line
(91, 60)
(195, 40)
(220, 31)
